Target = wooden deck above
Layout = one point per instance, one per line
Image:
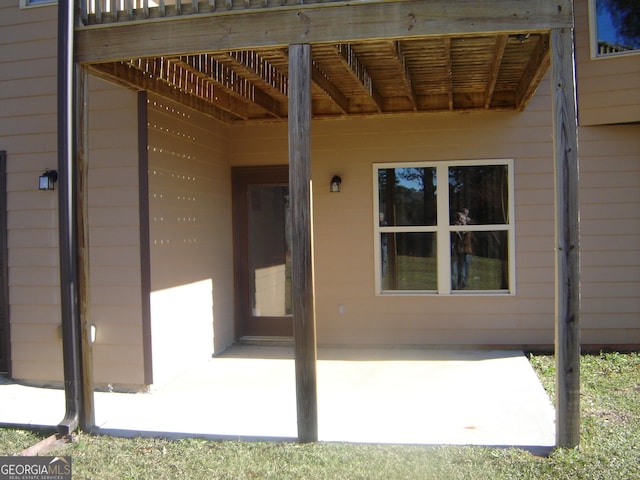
(369, 58)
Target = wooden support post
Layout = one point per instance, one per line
(304, 328)
(87, 413)
(567, 311)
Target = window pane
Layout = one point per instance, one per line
(408, 261)
(617, 26)
(479, 261)
(407, 196)
(479, 195)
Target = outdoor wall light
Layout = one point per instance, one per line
(48, 179)
(336, 181)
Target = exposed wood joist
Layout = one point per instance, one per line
(447, 53)
(501, 42)
(251, 65)
(131, 77)
(452, 73)
(223, 78)
(356, 70)
(405, 77)
(536, 68)
(320, 23)
(320, 79)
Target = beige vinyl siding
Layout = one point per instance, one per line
(28, 123)
(190, 238)
(610, 227)
(114, 236)
(343, 224)
(608, 88)
(28, 134)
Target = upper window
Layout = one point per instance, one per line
(615, 27)
(36, 3)
(444, 227)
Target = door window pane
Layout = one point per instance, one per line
(269, 250)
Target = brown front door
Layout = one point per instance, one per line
(262, 251)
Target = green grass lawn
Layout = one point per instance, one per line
(609, 450)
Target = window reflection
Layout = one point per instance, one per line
(461, 245)
(479, 194)
(409, 261)
(479, 260)
(407, 196)
(617, 26)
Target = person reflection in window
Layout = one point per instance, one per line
(384, 246)
(461, 252)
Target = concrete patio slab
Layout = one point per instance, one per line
(400, 396)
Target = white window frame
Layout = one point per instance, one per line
(37, 3)
(443, 229)
(593, 37)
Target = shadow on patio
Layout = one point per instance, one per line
(400, 396)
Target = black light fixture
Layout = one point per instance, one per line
(47, 180)
(336, 181)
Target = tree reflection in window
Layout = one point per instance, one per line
(617, 26)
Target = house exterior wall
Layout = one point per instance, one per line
(343, 224)
(114, 236)
(343, 229)
(610, 233)
(28, 134)
(608, 88)
(28, 126)
(190, 216)
(190, 237)
(609, 162)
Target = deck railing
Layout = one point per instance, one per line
(95, 12)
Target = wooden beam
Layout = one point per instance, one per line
(449, 68)
(567, 321)
(358, 72)
(304, 328)
(250, 65)
(405, 78)
(226, 80)
(129, 76)
(87, 416)
(330, 90)
(334, 22)
(498, 53)
(534, 72)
